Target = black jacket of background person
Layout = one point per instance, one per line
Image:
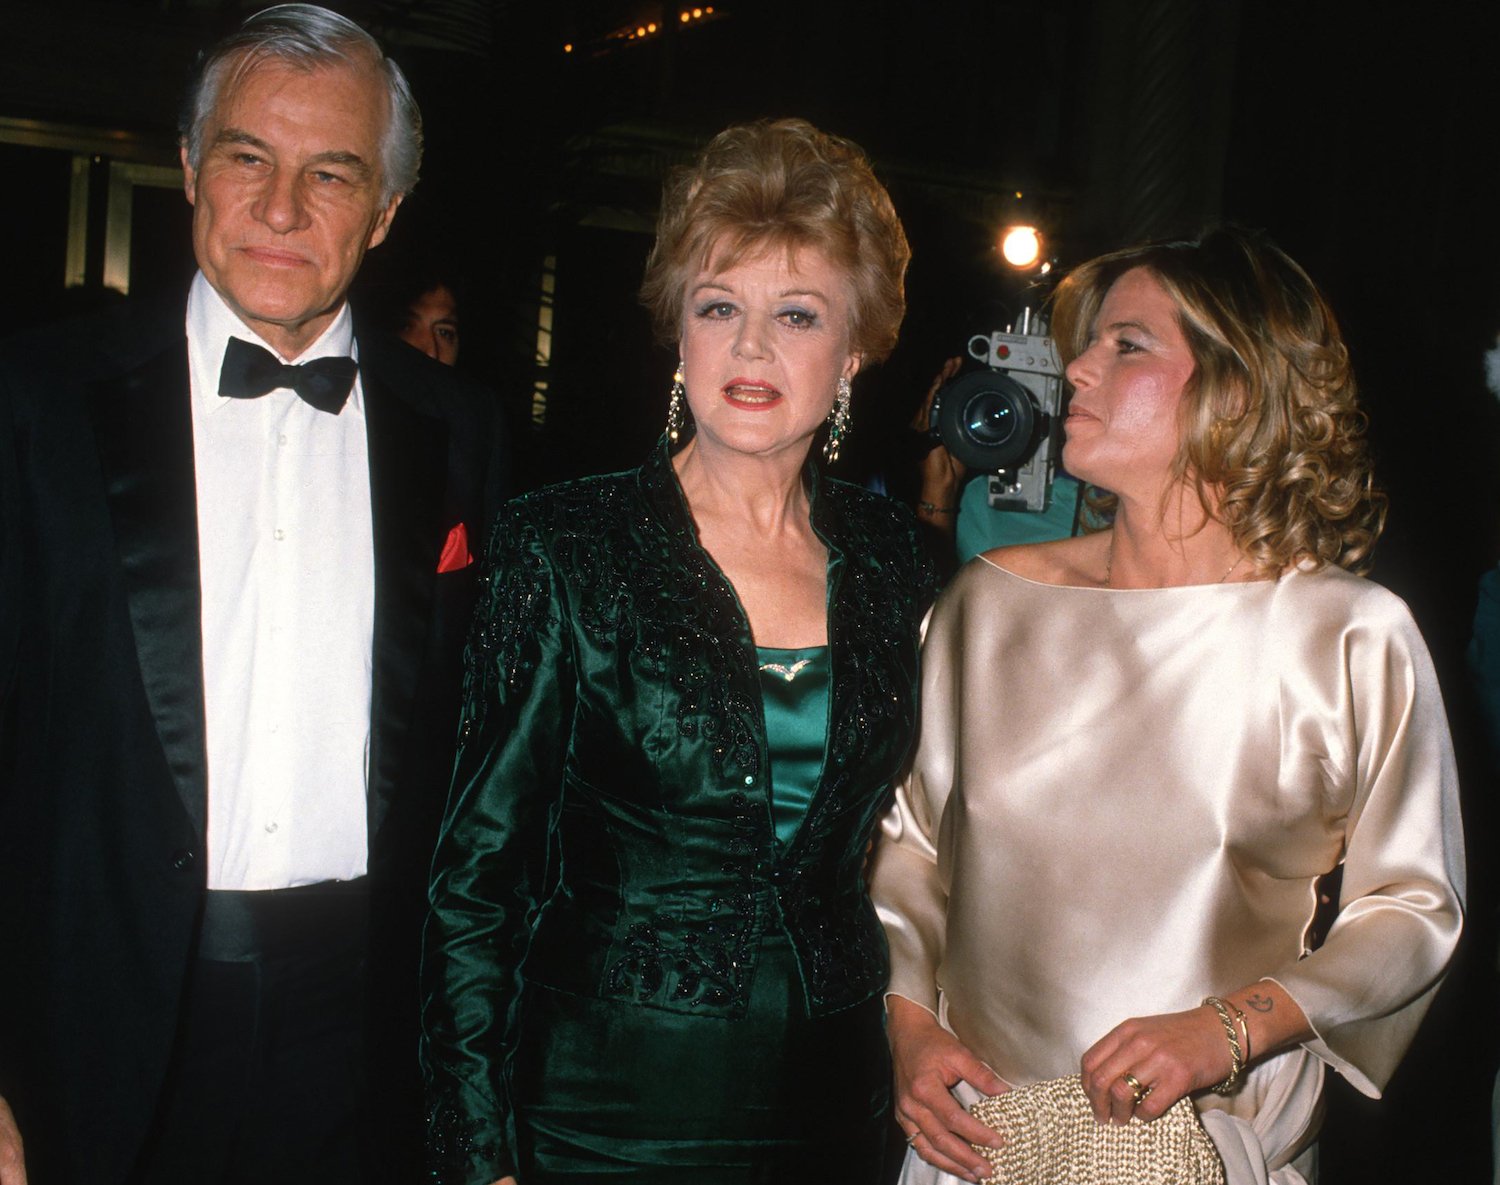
(102, 760)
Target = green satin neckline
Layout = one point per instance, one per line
(796, 729)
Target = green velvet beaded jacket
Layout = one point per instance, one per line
(610, 828)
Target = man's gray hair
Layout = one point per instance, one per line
(308, 37)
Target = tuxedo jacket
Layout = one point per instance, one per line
(102, 762)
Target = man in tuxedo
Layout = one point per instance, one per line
(235, 580)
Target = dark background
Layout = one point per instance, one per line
(1360, 135)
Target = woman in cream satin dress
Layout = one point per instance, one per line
(1144, 749)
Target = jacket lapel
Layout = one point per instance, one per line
(831, 778)
(408, 468)
(144, 429)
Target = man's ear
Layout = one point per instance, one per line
(383, 222)
(189, 177)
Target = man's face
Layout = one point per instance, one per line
(286, 197)
(431, 325)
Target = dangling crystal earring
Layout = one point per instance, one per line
(838, 423)
(675, 411)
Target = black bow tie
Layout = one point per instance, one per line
(249, 371)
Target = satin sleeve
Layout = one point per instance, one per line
(1365, 990)
(906, 883)
(489, 871)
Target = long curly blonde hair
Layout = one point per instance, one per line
(1273, 440)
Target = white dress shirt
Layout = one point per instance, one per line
(287, 565)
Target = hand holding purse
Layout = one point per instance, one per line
(1052, 1138)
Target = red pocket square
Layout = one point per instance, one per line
(456, 550)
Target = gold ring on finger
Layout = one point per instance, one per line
(1138, 1091)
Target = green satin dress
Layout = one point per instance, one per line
(614, 1092)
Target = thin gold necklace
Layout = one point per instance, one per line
(1109, 564)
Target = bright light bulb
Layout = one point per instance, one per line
(1021, 246)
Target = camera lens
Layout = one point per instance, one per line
(990, 418)
(988, 421)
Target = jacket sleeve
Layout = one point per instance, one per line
(906, 882)
(490, 867)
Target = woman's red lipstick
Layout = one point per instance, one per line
(750, 394)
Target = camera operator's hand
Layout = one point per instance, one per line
(942, 473)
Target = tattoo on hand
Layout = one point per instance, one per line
(1259, 1002)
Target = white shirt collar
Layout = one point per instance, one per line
(211, 323)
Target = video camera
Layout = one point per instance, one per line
(1006, 421)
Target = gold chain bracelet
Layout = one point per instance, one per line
(1236, 1054)
(1243, 1022)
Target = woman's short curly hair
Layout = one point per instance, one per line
(1272, 437)
(782, 184)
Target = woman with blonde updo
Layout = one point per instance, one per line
(651, 956)
(1144, 749)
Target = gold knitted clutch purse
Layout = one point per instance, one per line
(1052, 1138)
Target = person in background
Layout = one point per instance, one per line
(1484, 641)
(416, 297)
(651, 956)
(1206, 712)
(1483, 660)
(431, 323)
(234, 583)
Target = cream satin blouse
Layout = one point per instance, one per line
(1123, 800)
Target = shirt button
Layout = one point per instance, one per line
(279, 533)
(749, 779)
(281, 438)
(272, 828)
